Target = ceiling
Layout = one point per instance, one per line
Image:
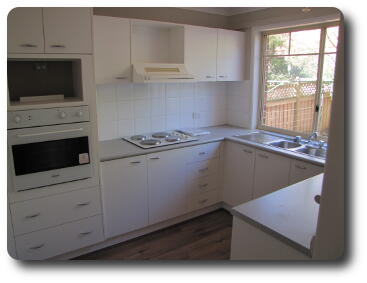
(225, 11)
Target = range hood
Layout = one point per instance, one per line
(160, 73)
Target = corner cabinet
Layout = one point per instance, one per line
(124, 195)
(111, 41)
(231, 55)
(303, 170)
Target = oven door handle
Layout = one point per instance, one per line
(49, 133)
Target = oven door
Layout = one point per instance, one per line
(43, 156)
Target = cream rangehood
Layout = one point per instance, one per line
(161, 73)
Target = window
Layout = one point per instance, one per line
(297, 79)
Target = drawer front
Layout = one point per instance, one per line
(37, 214)
(302, 170)
(205, 184)
(205, 151)
(203, 168)
(60, 239)
(204, 200)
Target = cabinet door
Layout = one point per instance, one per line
(201, 52)
(271, 173)
(111, 41)
(168, 192)
(25, 31)
(68, 30)
(302, 170)
(231, 55)
(124, 194)
(239, 165)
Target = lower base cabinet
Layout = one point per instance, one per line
(302, 170)
(124, 195)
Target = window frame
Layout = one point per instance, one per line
(321, 53)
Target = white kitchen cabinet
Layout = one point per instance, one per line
(25, 30)
(68, 30)
(271, 173)
(302, 170)
(111, 42)
(239, 166)
(231, 55)
(168, 192)
(201, 52)
(124, 195)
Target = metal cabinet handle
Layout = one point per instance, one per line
(83, 203)
(204, 169)
(37, 247)
(202, 153)
(57, 46)
(27, 45)
(55, 175)
(85, 233)
(33, 215)
(155, 158)
(247, 150)
(203, 201)
(135, 162)
(221, 76)
(209, 77)
(263, 155)
(204, 185)
(301, 167)
(121, 78)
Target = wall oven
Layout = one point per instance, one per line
(43, 155)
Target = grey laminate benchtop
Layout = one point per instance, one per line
(119, 148)
(290, 214)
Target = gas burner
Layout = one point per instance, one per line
(173, 138)
(160, 135)
(150, 142)
(138, 137)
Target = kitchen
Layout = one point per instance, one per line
(123, 125)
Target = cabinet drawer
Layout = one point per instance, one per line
(203, 168)
(60, 239)
(37, 214)
(205, 151)
(205, 184)
(203, 200)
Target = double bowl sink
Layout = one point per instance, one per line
(284, 143)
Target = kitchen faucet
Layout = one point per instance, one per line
(312, 139)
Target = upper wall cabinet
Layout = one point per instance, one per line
(201, 52)
(68, 30)
(25, 31)
(230, 55)
(50, 30)
(111, 40)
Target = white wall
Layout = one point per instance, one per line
(127, 109)
(239, 104)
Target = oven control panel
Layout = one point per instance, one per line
(49, 116)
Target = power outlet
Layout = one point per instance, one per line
(195, 115)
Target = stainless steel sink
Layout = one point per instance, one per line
(285, 144)
(317, 152)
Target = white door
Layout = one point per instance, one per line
(271, 173)
(302, 170)
(124, 195)
(68, 30)
(239, 165)
(231, 55)
(25, 31)
(201, 52)
(111, 42)
(168, 193)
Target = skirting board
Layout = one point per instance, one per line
(140, 232)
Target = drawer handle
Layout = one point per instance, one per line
(209, 77)
(222, 76)
(155, 158)
(27, 45)
(301, 167)
(247, 150)
(58, 46)
(203, 201)
(204, 169)
(37, 247)
(135, 162)
(263, 155)
(202, 153)
(33, 215)
(121, 78)
(204, 185)
(83, 203)
(85, 233)
(55, 175)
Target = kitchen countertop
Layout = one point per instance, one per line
(289, 214)
(119, 148)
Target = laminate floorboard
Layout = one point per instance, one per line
(207, 237)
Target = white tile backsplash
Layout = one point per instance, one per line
(127, 109)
